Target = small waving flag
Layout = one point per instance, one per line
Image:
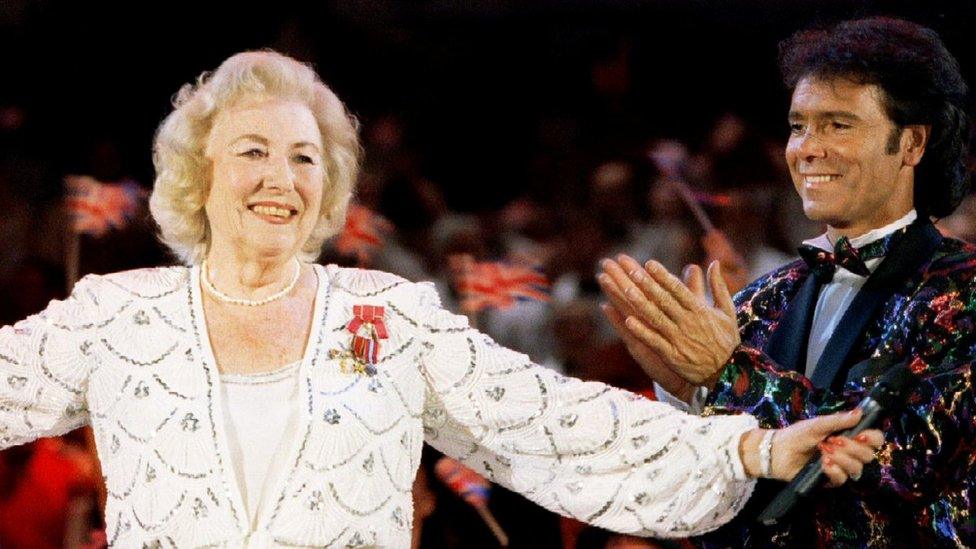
(363, 233)
(493, 284)
(720, 200)
(473, 489)
(471, 486)
(97, 207)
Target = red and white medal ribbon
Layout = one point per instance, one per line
(367, 328)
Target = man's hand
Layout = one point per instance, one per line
(648, 360)
(617, 311)
(690, 338)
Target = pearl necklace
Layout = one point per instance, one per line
(221, 296)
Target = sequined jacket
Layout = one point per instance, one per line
(921, 492)
(129, 353)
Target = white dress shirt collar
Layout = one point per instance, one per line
(824, 243)
(836, 296)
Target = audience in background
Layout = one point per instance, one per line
(588, 190)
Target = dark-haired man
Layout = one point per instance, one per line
(877, 140)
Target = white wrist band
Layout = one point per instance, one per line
(766, 455)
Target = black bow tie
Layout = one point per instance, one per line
(824, 264)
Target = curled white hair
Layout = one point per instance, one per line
(183, 170)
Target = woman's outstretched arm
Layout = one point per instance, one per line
(45, 361)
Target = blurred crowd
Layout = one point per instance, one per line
(597, 183)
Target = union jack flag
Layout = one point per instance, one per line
(96, 207)
(463, 481)
(473, 489)
(363, 233)
(493, 284)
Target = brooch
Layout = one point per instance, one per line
(367, 328)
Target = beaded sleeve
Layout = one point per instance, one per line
(582, 449)
(44, 370)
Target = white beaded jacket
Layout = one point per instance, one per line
(129, 354)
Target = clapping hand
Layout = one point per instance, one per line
(678, 337)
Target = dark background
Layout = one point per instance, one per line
(472, 79)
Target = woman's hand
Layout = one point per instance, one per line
(793, 446)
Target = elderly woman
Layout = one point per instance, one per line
(255, 399)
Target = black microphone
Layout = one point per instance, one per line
(886, 397)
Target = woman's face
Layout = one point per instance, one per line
(267, 179)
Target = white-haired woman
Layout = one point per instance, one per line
(253, 398)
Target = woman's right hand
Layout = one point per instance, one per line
(794, 446)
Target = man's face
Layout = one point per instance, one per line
(841, 159)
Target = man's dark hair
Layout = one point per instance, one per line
(921, 84)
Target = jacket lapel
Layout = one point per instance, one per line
(901, 262)
(787, 345)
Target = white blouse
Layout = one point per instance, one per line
(261, 416)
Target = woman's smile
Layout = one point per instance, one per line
(273, 212)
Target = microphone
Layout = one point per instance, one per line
(887, 396)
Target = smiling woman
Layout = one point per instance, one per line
(254, 399)
(259, 85)
(266, 186)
